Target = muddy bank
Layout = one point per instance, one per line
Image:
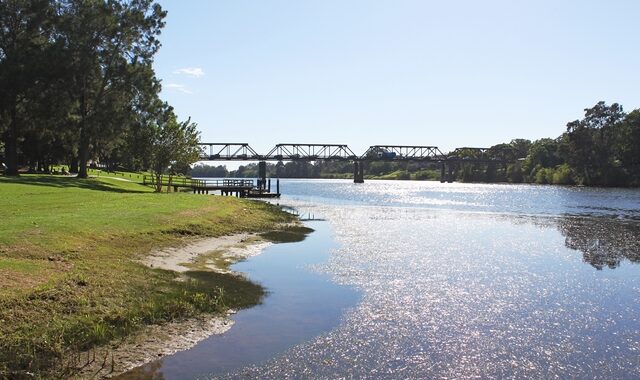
(156, 341)
(151, 343)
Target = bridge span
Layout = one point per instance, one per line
(341, 152)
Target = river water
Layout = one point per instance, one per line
(431, 280)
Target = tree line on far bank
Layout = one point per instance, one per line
(601, 149)
(78, 86)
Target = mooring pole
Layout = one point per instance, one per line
(278, 186)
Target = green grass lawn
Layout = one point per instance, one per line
(69, 273)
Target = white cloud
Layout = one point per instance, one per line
(195, 72)
(179, 87)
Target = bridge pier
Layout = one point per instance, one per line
(447, 172)
(358, 172)
(262, 174)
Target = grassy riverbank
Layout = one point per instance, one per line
(69, 273)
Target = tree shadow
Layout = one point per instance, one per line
(67, 182)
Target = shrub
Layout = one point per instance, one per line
(562, 175)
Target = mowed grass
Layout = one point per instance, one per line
(44, 210)
(70, 277)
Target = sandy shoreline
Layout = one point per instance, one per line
(156, 341)
(224, 249)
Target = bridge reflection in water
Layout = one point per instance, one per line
(448, 162)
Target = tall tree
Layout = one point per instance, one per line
(521, 147)
(629, 145)
(135, 153)
(590, 143)
(543, 153)
(24, 34)
(106, 40)
(174, 144)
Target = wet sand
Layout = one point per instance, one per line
(156, 341)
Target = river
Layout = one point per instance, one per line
(427, 280)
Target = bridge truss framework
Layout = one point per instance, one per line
(341, 152)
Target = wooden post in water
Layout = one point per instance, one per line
(278, 186)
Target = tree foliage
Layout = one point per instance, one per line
(592, 149)
(108, 44)
(78, 86)
(173, 145)
(25, 30)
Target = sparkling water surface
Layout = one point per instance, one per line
(471, 280)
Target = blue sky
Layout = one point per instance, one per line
(444, 73)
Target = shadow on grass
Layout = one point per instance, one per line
(66, 182)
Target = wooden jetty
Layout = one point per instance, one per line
(242, 188)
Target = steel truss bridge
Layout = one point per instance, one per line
(341, 152)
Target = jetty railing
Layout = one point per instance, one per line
(245, 188)
(171, 181)
(198, 183)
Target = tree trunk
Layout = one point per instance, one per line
(169, 183)
(10, 138)
(83, 155)
(73, 165)
(83, 149)
(158, 182)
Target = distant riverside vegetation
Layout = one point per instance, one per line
(602, 149)
(78, 86)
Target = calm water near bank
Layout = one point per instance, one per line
(444, 280)
(300, 305)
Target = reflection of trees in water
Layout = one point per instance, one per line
(602, 241)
